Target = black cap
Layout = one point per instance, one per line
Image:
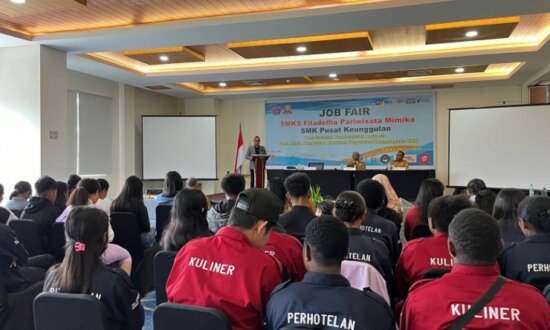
(260, 203)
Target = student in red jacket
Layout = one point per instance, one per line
(474, 244)
(229, 271)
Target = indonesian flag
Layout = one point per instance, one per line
(239, 157)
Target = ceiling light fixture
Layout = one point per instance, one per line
(471, 34)
(164, 58)
(18, 1)
(288, 81)
(459, 70)
(333, 75)
(336, 79)
(301, 49)
(222, 84)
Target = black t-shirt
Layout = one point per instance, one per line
(114, 289)
(295, 221)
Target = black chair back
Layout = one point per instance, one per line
(17, 213)
(546, 293)
(170, 316)
(162, 218)
(20, 307)
(68, 311)
(57, 243)
(28, 233)
(540, 282)
(435, 273)
(421, 231)
(127, 234)
(164, 260)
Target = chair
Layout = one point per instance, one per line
(317, 165)
(170, 316)
(434, 273)
(20, 307)
(421, 231)
(539, 282)
(546, 293)
(57, 243)
(164, 260)
(162, 217)
(128, 235)
(28, 233)
(363, 275)
(17, 213)
(68, 311)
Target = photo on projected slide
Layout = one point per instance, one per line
(329, 131)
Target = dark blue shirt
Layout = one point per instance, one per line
(384, 230)
(528, 261)
(324, 301)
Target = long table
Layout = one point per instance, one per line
(333, 182)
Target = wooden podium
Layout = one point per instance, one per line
(259, 169)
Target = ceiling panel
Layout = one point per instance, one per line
(484, 32)
(33, 7)
(259, 82)
(172, 55)
(420, 72)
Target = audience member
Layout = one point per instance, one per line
(17, 270)
(350, 208)
(392, 200)
(72, 181)
(41, 209)
(62, 195)
(103, 202)
(485, 201)
(295, 221)
(375, 226)
(277, 186)
(193, 183)
(528, 261)
(324, 299)
(474, 244)
(385, 212)
(172, 184)
(424, 254)
(506, 212)
(5, 214)
(228, 271)
(187, 220)
(18, 200)
(473, 187)
(130, 200)
(83, 272)
(429, 189)
(325, 207)
(218, 215)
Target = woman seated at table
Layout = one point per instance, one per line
(357, 162)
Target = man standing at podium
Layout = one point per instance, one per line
(255, 149)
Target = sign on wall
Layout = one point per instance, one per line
(329, 131)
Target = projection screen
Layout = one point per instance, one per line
(507, 147)
(186, 144)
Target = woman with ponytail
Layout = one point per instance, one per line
(82, 270)
(528, 261)
(350, 207)
(18, 200)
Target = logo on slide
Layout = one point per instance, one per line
(276, 110)
(424, 158)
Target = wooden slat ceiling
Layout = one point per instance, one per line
(326, 44)
(49, 16)
(420, 72)
(174, 55)
(259, 82)
(485, 32)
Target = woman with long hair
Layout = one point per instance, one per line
(187, 220)
(172, 184)
(429, 189)
(82, 270)
(505, 211)
(19, 198)
(130, 200)
(62, 196)
(391, 197)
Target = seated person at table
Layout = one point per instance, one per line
(294, 222)
(324, 299)
(218, 215)
(423, 254)
(474, 244)
(399, 161)
(228, 271)
(357, 162)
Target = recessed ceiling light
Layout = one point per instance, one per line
(164, 58)
(222, 84)
(459, 70)
(471, 34)
(333, 75)
(336, 79)
(18, 1)
(301, 49)
(288, 81)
